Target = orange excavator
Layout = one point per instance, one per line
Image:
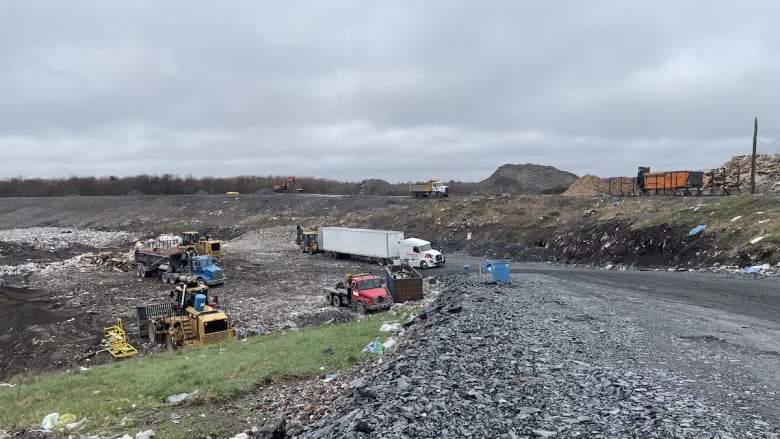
(287, 185)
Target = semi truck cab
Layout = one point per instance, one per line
(417, 252)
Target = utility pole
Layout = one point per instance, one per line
(753, 160)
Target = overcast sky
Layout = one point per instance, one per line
(398, 90)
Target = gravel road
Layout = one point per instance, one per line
(560, 355)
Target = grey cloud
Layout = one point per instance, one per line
(452, 89)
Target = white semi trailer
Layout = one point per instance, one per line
(381, 246)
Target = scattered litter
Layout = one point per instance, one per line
(180, 397)
(736, 218)
(698, 229)
(7, 385)
(388, 327)
(73, 426)
(330, 377)
(756, 269)
(755, 240)
(375, 347)
(240, 436)
(49, 421)
(390, 344)
(764, 221)
(84, 368)
(67, 418)
(250, 332)
(175, 418)
(145, 434)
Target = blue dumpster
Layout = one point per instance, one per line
(501, 272)
(497, 271)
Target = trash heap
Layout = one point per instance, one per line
(738, 168)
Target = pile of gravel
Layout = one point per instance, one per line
(518, 361)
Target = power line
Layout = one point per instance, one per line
(769, 143)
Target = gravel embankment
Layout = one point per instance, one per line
(536, 359)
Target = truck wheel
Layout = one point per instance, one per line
(361, 309)
(423, 264)
(335, 300)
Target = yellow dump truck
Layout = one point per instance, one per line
(431, 188)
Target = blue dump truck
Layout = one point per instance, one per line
(172, 265)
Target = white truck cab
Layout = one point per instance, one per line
(418, 253)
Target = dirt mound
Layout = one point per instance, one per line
(737, 170)
(375, 187)
(525, 179)
(593, 185)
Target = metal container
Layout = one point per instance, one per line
(496, 271)
(404, 283)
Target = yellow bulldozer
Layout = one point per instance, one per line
(202, 245)
(189, 320)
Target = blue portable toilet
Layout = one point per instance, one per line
(200, 301)
(487, 267)
(466, 269)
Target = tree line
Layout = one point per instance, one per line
(169, 184)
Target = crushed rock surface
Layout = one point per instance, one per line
(537, 359)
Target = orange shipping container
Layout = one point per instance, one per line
(672, 180)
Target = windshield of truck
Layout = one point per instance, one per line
(370, 283)
(424, 248)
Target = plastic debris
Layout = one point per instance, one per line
(67, 418)
(756, 269)
(249, 332)
(388, 327)
(49, 421)
(73, 426)
(736, 218)
(755, 240)
(7, 385)
(698, 229)
(180, 397)
(144, 434)
(389, 344)
(374, 347)
(330, 377)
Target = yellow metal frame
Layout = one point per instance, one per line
(116, 338)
